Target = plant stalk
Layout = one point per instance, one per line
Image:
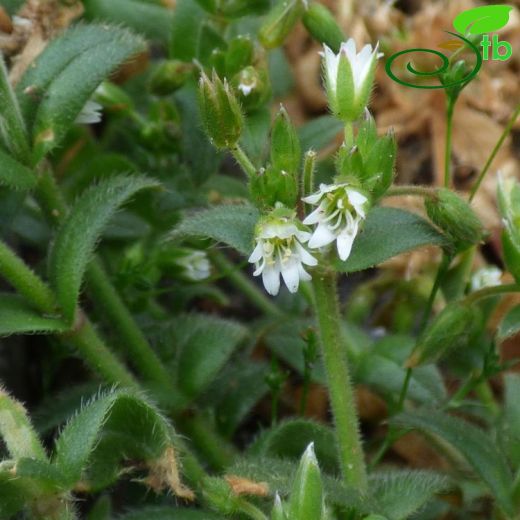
(450, 107)
(341, 392)
(243, 160)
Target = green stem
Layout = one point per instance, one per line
(244, 284)
(489, 292)
(450, 106)
(12, 129)
(97, 355)
(50, 198)
(115, 311)
(485, 394)
(418, 191)
(243, 160)
(25, 281)
(218, 453)
(340, 388)
(500, 142)
(309, 166)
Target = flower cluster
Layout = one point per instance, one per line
(283, 244)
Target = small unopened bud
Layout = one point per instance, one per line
(285, 144)
(271, 185)
(113, 98)
(220, 111)
(322, 26)
(509, 204)
(454, 216)
(452, 328)
(169, 76)
(277, 513)
(279, 22)
(239, 55)
(306, 501)
(253, 87)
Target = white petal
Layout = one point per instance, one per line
(259, 269)
(291, 276)
(344, 245)
(304, 275)
(271, 279)
(305, 256)
(349, 48)
(256, 254)
(312, 199)
(358, 200)
(316, 216)
(321, 237)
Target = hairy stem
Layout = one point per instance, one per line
(418, 191)
(309, 166)
(243, 160)
(340, 388)
(25, 281)
(450, 106)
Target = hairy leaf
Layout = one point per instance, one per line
(510, 324)
(15, 175)
(399, 494)
(389, 232)
(76, 240)
(205, 344)
(232, 225)
(477, 447)
(18, 317)
(17, 431)
(118, 410)
(510, 427)
(168, 513)
(65, 76)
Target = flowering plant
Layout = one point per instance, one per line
(180, 335)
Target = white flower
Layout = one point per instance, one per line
(349, 76)
(279, 250)
(90, 114)
(486, 277)
(338, 215)
(196, 265)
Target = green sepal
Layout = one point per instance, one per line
(285, 144)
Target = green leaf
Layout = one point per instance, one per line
(15, 494)
(290, 438)
(86, 58)
(232, 225)
(477, 447)
(205, 344)
(17, 431)
(18, 317)
(510, 424)
(118, 410)
(399, 494)
(483, 19)
(186, 30)
(389, 232)
(319, 133)
(76, 239)
(15, 175)
(510, 324)
(255, 136)
(48, 478)
(153, 21)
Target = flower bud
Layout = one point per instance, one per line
(322, 26)
(253, 87)
(279, 22)
(277, 513)
(220, 111)
(509, 204)
(285, 144)
(169, 76)
(349, 77)
(113, 98)
(452, 328)
(454, 216)
(271, 185)
(239, 55)
(306, 501)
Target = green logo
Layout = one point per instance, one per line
(471, 23)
